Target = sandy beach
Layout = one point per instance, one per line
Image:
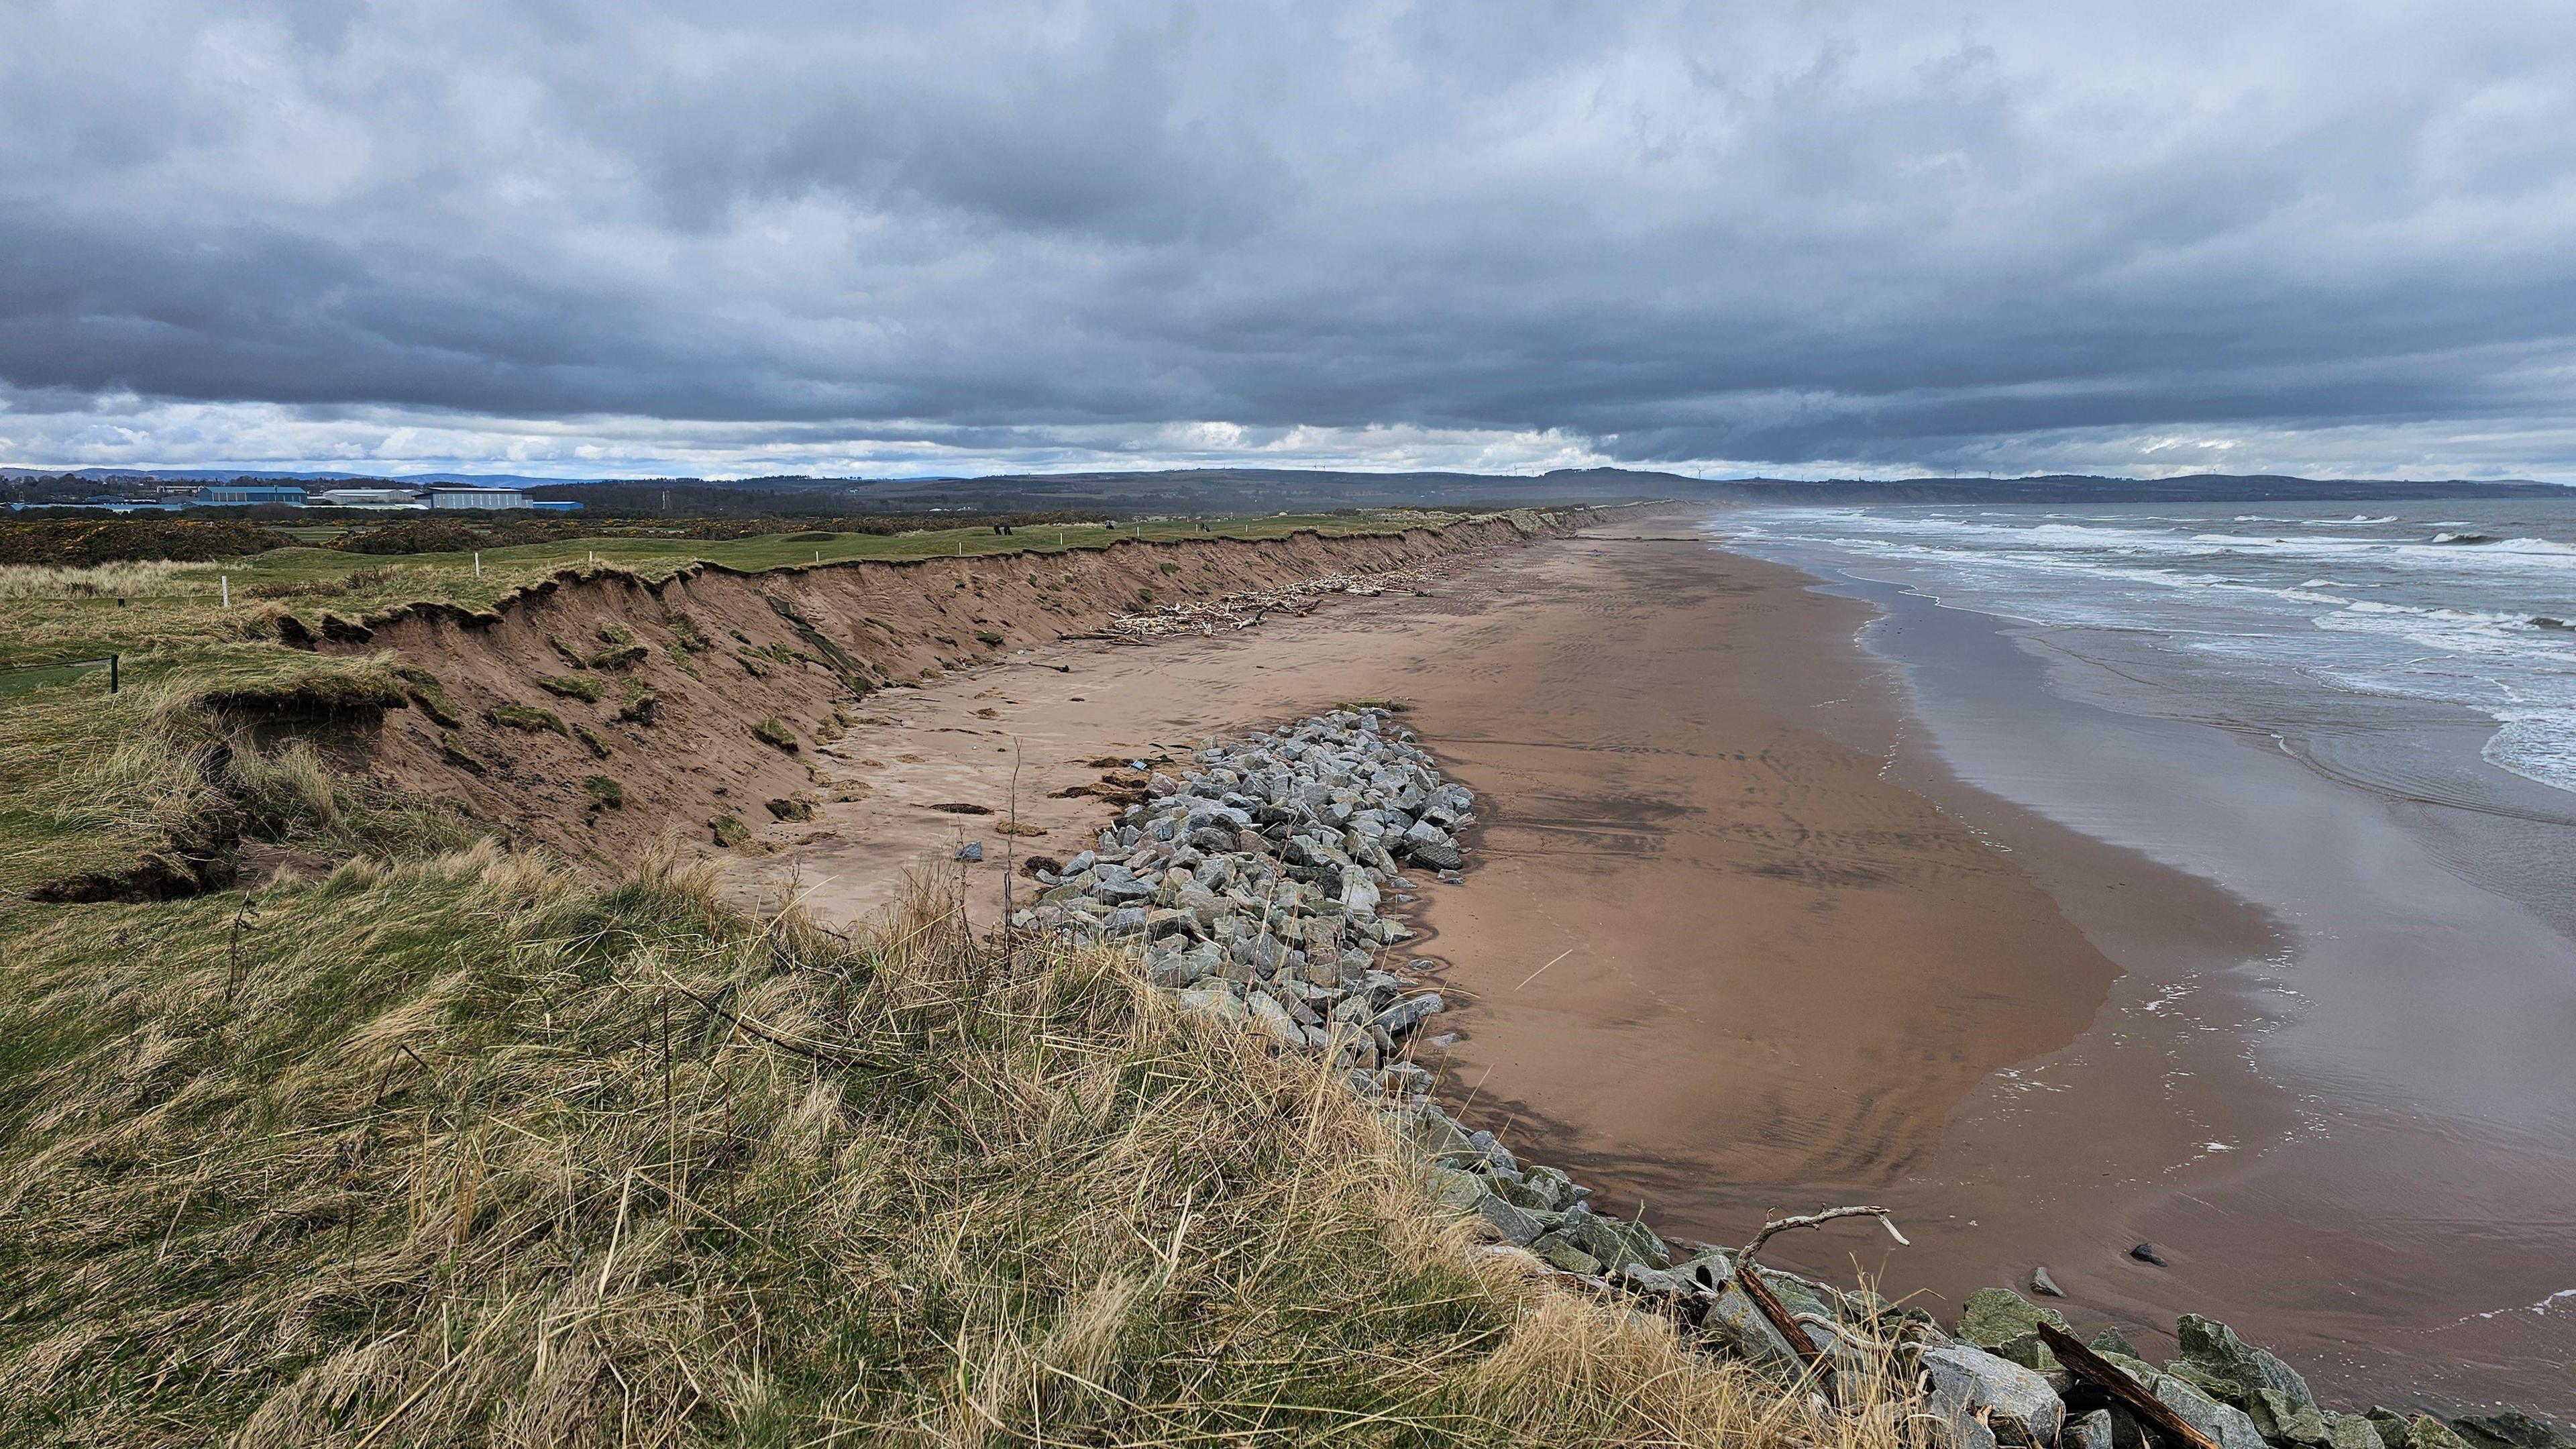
(1710, 953)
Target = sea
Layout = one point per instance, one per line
(2359, 722)
(2466, 604)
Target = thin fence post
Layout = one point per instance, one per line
(114, 666)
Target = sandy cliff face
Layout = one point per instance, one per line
(675, 705)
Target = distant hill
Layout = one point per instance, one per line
(2078, 487)
(1297, 490)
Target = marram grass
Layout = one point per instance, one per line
(459, 1151)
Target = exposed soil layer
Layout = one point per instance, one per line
(598, 711)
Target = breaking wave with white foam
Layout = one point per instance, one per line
(2473, 606)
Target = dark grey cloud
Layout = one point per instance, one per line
(595, 237)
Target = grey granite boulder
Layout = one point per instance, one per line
(2352, 1431)
(1965, 1379)
(2225, 1423)
(1438, 857)
(1508, 1222)
(1402, 1017)
(2510, 1429)
(2005, 1324)
(1561, 1254)
(2229, 1369)
(2281, 1419)
(1273, 1018)
(2112, 1340)
(2423, 1431)
(1213, 1001)
(1734, 1324)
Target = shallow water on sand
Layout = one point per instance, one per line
(2405, 1221)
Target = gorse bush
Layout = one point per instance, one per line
(88, 540)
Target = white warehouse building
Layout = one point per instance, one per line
(366, 498)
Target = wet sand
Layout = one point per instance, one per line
(2392, 1208)
(1710, 953)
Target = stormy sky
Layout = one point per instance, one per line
(1868, 237)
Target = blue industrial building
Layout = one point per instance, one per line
(247, 495)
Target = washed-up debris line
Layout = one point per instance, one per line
(1253, 884)
(1241, 611)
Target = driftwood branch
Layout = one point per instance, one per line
(1778, 1312)
(2085, 1364)
(1748, 1278)
(1810, 1220)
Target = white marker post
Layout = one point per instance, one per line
(478, 565)
(227, 581)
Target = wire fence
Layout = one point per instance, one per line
(17, 678)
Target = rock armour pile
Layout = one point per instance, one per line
(1253, 885)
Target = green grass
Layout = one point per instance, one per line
(526, 717)
(430, 694)
(449, 1147)
(91, 784)
(311, 581)
(458, 1151)
(574, 686)
(85, 786)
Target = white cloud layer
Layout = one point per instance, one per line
(591, 239)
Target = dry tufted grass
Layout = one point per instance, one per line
(457, 1151)
(102, 581)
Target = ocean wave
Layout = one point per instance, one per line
(2059, 544)
(2428, 616)
(2537, 744)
